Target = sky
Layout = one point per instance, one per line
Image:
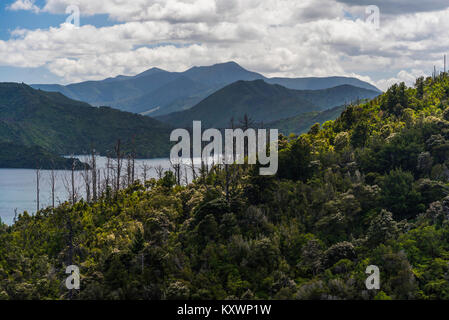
(42, 42)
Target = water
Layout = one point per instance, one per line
(18, 186)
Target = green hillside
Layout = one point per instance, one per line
(63, 126)
(20, 157)
(302, 123)
(370, 188)
(336, 96)
(263, 102)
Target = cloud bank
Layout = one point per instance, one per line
(274, 37)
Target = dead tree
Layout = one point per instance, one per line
(228, 168)
(159, 171)
(246, 122)
(108, 172)
(38, 178)
(86, 178)
(186, 175)
(177, 171)
(145, 169)
(73, 181)
(133, 160)
(128, 171)
(98, 177)
(94, 175)
(69, 185)
(53, 184)
(192, 166)
(119, 165)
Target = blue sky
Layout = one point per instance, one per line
(277, 38)
(12, 20)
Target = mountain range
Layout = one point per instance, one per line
(263, 103)
(47, 121)
(157, 92)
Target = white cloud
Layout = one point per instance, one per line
(27, 5)
(409, 77)
(275, 37)
(399, 7)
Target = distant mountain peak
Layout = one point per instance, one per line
(150, 72)
(229, 65)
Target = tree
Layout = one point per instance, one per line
(94, 174)
(315, 129)
(399, 195)
(294, 161)
(419, 85)
(138, 242)
(53, 175)
(38, 178)
(382, 228)
(118, 166)
(169, 180)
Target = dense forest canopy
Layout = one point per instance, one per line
(370, 188)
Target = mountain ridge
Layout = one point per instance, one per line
(262, 102)
(134, 93)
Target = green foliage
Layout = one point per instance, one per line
(370, 188)
(399, 195)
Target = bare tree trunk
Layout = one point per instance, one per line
(128, 171)
(38, 178)
(145, 169)
(119, 165)
(98, 177)
(73, 182)
(86, 178)
(159, 171)
(186, 175)
(133, 163)
(177, 171)
(133, 160)
(53, 185)
(108, 168)
(194, 176)
(94, 176)
(228, 168)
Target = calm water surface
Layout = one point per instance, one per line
(18, 186)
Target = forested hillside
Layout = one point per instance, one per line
(303, 122)
(61, 126)
(263, 103)
(370, 188)
(18, 156)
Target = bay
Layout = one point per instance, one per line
(18, 186)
